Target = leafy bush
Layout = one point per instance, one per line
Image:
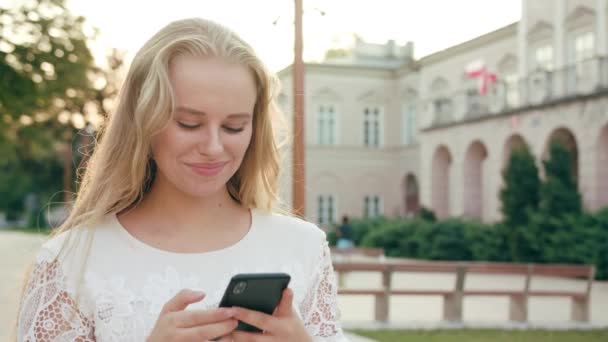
(576, 239)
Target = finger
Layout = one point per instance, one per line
(285, 305)
(208, 331)
(243, 336)
(258, 319)
(181, 300)
(192, 318)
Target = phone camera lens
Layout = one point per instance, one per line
(239, 288)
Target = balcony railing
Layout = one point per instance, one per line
(540, 87)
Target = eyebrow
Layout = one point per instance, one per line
(201, 113)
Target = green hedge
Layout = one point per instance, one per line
(578, 239)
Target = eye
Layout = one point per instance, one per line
(233, 130)
(187, 126)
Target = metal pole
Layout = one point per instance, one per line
(298, 124)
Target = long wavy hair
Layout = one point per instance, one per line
(121, 169)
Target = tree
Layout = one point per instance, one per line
(559, 192)
(519, 197)
(521, 187)
(49, 88)
(44, 59)
(557, 230)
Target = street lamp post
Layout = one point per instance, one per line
(299, 175)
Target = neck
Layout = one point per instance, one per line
(182, 212)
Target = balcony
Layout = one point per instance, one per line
(539, 88)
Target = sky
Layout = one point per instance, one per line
(432, 25)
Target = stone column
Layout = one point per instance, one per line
(522, 45)
(600, 27)
(600, 41)
(559, 52)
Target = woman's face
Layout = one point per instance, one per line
(204, 143)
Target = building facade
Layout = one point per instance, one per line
(386, 134)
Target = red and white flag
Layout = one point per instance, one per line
(478, 69)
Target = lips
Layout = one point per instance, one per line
(208, 169)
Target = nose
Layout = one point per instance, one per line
(211, 142)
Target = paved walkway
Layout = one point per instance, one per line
(17, 250)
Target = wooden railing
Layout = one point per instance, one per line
(453, 298)
(360, 251)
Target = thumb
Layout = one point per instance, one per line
(285, 305)
(181, 300)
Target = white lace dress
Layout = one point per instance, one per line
(126, 282)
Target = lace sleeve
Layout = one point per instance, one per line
(47, 311)
(319, 309)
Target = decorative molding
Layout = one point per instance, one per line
(540, 31)
(373, 96)
(409, 94)
(326, 94)
(581, 16)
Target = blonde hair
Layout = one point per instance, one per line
(120, 170)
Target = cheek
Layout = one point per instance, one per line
(168, 143)
(237, 145)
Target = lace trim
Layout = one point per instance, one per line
(319, 309)
(48, 312)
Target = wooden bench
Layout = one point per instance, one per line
(453, 298)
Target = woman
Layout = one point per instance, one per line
(176, 199)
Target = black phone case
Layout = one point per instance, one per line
(262, 293)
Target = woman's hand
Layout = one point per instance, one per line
(284, 325)
(177, 324)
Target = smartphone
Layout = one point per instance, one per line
(255, 291)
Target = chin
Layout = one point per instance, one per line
(203, 190)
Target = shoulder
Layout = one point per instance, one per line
(67, 245)
(289, 229)
(51, 248)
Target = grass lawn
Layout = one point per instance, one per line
(486, 336)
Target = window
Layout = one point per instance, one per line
(326, 209)
(372, 126)
(583, 46)
(474, 102)
(583, 51)
(512, 90)
(544, 57)
(442, 107)
(410, 126)
(326, 125)
(372, 206)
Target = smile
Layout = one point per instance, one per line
(208, 169)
